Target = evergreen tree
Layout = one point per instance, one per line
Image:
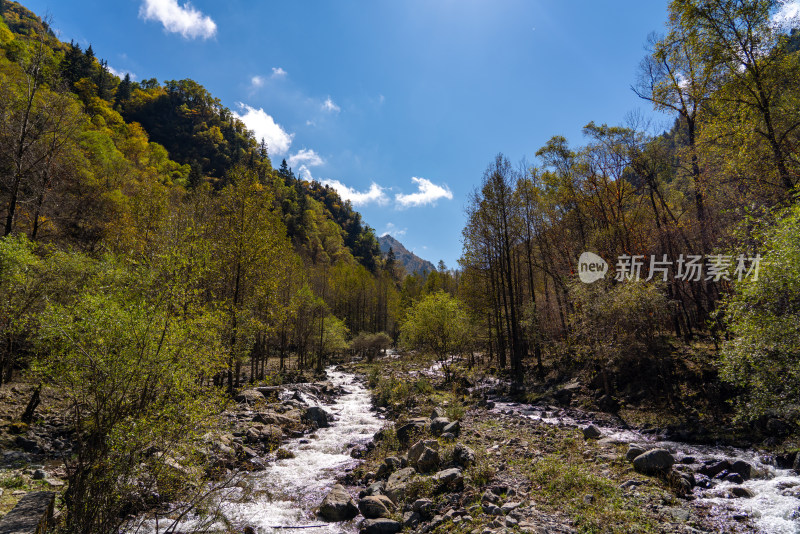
(286, 173)
(124, 90)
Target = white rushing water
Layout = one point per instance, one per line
(288, 491)
(775, 507)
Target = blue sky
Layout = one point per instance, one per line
(399, 104)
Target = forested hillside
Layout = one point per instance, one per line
(679, 218)
(143, 219)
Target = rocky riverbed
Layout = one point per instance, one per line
(319, 456)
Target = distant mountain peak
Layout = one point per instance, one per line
(406, 258)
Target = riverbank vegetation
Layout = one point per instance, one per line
(711, 191)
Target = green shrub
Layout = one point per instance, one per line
(419, 488)
(283, 454)
(13, 482)
(455, 411)
(763, 316)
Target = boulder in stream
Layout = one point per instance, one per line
(591, 432)
(714, 467)
(742, 468)
(317, 415)
(338, 505)
(653, 462)
(741, 491)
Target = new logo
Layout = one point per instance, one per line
(591, 267)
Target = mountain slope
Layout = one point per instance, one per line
(176, 132)
(409, 260)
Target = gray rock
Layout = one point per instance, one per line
(563, 396)
(424, 507)
(272, 418)
(453, 428)
(591, 432)
(492, 509)
(678, 513)
(416, 450)
(653, 462)
(428, 461)
(714, 468)
(463, 455)
(734, 478)
(449, 479)
(27, 444)
(411, 519)
(380, 526)
(437, 412)
(248, 453)
(317, 415)
(411, 429)
(490, 497)
(396, 485)
(252, 435)
(438, 425)
(250, 396)
(376, 488)
(375, 506)
(28, 515)
(269, 391)
(742, 468)
(338, 505)
(390, 465)
(740, 491)
(510, 506)
(633, 452)
(39, 474)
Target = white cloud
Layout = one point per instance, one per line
(427, 193)
(264, 126)
(278, 72)
(788, 16)
(184, 19)
(330, 106)
(304, 173)
(392, 230)
(375, 194)
(305, 157)
(257, 81)
(120, 73)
